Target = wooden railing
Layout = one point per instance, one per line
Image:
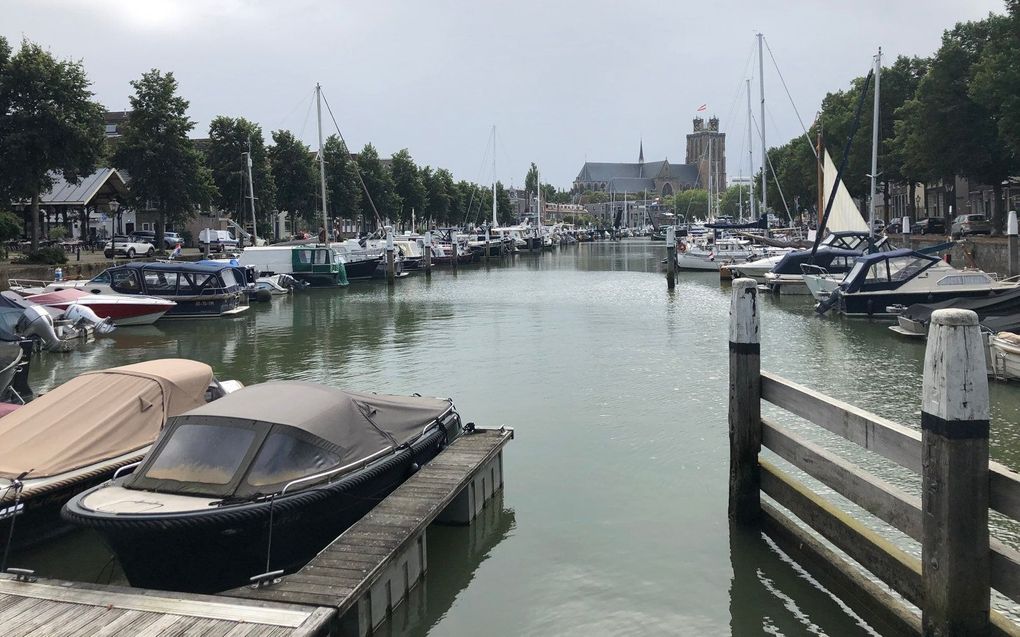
(960, 563)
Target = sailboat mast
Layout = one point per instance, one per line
(821, 176)
(750, 151)
(495, 220)
(538, 211)
(322, 160)
(874, 147)
(710, 176)
(761, 126)
(251, 197)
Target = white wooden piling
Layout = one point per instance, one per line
(391, 265)
(1012, 258)
(955, 479)
(670, 257)
(744, 404)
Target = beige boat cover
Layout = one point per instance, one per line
(98, 416)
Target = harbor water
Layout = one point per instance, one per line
(613, 520)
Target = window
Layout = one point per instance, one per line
(125, 281)
(102, 278)
(229, 279)
(160, 282)
(907, 268)
(209, 454)
(145, 226)
(284, 458)
(305, 256)
(197, 280)
(964, 279)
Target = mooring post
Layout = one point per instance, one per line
(427, 253)
(670, 257)
(453, 248)
(745, 404)
(1011, 245)
(391, 265)
(954, 487)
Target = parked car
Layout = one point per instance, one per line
(170, 239)
(217, 240)
(879, 225)
(970, 224)
(128, 247)
(930, 225)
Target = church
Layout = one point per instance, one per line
(662, 178)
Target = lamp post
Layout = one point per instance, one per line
(114, 205)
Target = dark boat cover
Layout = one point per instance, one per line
(257, 439)
(998, 306)
(762, 222)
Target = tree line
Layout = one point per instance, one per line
(956, 113)
(50, 125)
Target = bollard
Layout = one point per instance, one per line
(453, 250)
(670, 257)
(1011, 245)
(954, 489)
(391, 266)
(744, 404)
(427, 253)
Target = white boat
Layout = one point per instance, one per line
(702, 255)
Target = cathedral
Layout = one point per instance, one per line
(705, 146)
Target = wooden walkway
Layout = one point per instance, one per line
(54, 608)
(370, 568)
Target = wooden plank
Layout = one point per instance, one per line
(889, 439)
(900, 571)
(879, 498)
(1004, 490)
(863, 595)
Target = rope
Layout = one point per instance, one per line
(790, 97)
(357, 170)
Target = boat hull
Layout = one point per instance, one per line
(362, 268)
(211, 551)
(876, 305)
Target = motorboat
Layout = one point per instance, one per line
(52, 329)
(260, 480)
(200, 290)
(881, 281)
(834, 257)
(315, 264)
(708, 255)
(81, 433)
(914, 320)
(278, 284)
(121, 309)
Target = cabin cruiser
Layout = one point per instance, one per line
(315, 264)
(914, 320)
(881, 281)
(834, 257)
(363, 258)
(260, 480)
(708, 255)
(79, 434)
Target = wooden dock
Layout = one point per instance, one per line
(54, 608)
(948, 591)
(369, 570)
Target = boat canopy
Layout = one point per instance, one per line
(999, 305)
(256, 440)
(98, 416)
(886, 270)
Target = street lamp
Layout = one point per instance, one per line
(114, 205)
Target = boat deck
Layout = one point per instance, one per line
(371, 567)
(70, 609)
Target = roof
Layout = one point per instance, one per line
(180, 266)
(360, 423)
(98, 416)
(64, 193)
(627, 177)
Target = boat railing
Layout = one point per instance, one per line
(116, 474)
(810, 268)
(332, 472)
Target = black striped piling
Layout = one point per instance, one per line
(670, 258)
(744, 404)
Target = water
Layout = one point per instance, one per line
(613, 520)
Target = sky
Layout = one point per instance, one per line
(563, 82)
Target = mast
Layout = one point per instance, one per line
(750, 151)
(821, 176)
(874, 148)
(495, 221)
(764, 149)
(251, 196)
(322, 161)
(710, 176)
(538, 210)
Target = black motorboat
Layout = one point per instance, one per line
(271, 473)
(913, 320)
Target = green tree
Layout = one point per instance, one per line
(49, 125)
(229, 139)
(689, 204)
(295, 175)
(408, 185)
(440, 194)
(10, 229)
(166, 169)
(342, 183)
(996, 80)
(379, 184)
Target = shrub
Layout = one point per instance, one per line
(46, 256)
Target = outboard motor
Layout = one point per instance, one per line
(36, 322)
(80, 315)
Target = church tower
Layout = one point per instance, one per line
(699, 142)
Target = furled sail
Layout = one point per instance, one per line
(844, 214)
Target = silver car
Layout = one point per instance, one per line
(970, 224)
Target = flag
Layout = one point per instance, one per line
(702, 107)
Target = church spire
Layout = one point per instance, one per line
(641, 152)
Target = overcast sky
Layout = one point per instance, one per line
(562, 81)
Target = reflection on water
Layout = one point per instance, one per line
(614, 513)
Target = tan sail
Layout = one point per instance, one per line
(844, 214)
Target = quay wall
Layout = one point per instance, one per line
(72, 270)
(989, 253)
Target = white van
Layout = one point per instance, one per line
(217, 240)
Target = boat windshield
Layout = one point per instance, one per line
(201, 453)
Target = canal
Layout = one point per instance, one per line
(613, 520)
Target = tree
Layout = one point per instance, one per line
(229, 139)
(342, 183)
(166, 169)
(10, 229)
(531, 180)
(689, 204)
(440, 194)
(380, 200)
(734, 202)
(295, 175)
(407, 185)
(49, 125)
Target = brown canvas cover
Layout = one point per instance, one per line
(99, 415)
